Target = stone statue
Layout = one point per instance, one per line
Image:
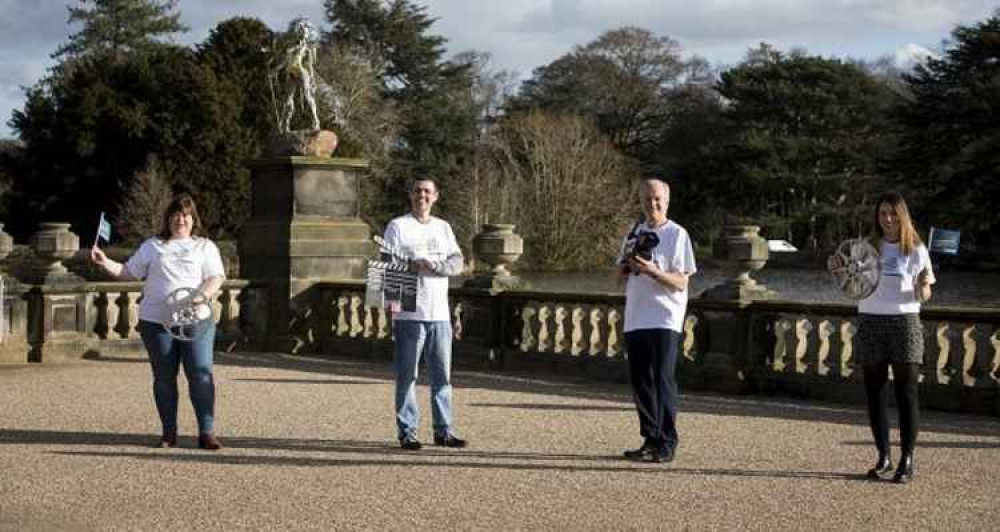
(293, 71)
(298, 74)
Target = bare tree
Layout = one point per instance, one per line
(566, 187)
(146, 199)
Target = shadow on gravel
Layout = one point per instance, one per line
(417, 460)
(922, 443)
(558, 386)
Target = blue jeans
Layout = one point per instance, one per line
(415, 339)
(166, 356)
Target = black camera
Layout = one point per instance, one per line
(641, 245)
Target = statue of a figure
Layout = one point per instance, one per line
(296, 70)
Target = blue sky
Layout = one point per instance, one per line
(524, 34)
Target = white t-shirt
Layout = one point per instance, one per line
(649, 304)
(895, 293)
(432, 241)
(169, 265)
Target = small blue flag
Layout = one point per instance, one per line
(943, 241)
(103, 230)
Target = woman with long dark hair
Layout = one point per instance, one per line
(176, 258)
(889, 333)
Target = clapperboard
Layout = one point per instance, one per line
(390, 283)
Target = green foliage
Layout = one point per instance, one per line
(436, 131)
(625, 81)
(115, 26)
(236, 51)
(951, 144)
(806, 137)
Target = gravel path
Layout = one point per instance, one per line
(309, 446)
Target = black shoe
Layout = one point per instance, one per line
(904, 473)
(409, 443)
(644, 453)
(882, 465)
(664, 454)
(449, 440)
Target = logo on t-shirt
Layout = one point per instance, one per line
(892, 267)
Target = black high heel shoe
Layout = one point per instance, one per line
(882, 465)
(904, 473)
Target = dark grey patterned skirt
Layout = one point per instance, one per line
(893, 338)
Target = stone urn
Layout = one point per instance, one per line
(743, 251)
(498, 246)
(52, 244)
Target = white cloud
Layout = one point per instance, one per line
(911, 55)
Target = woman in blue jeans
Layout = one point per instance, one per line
(176, 258)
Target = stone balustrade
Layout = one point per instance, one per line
(765, 346)
(65, 321)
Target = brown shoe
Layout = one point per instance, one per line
(209, 442)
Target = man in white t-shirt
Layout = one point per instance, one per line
(655, 263)
(432, 251)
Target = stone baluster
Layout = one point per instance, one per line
(544, 338)
(527, 315)
(985, 355)
(560, 343)
(457, 315)
(577, 345)
(368, 329)
(805, 346)
(967, 346)
(848, 366)
(596, 321)
(100, 304)
(343, 326)
(783, 345)
(615, 348)
(936, 353)
(824, 332)
(995, 362)
(357, 306)
(383, 324)
(688, 352)
(951, 341)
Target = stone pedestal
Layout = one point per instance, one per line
(498, 247)
(305, 227)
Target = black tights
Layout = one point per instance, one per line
(905, 377)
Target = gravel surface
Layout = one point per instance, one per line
(310, 446)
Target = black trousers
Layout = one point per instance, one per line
(905, 380)
(652, 361)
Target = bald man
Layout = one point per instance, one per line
(655, 263)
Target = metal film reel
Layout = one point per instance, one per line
(856, 268)
(187, 318)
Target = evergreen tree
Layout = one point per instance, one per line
(437, 133)
(116, 26)
(806, 137)
(951, 140)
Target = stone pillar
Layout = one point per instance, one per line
(52, 244)
(305, 227)
(727, 329)
(13, 309)
(498, 247)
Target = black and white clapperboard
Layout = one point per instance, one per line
(390, 283)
